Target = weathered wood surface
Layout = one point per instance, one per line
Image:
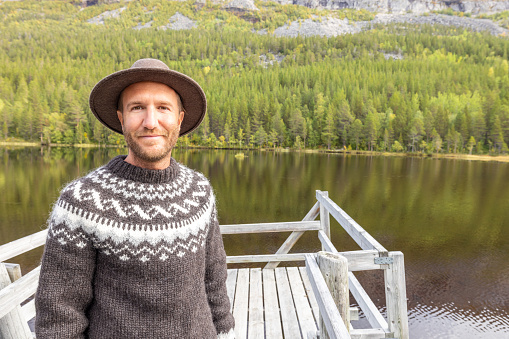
(357, 260)
(324, 216)
(256, 328)
(334, 324)
(19, 291)
(395, 296)
(271, 306)
(20, 246)
(334, 268)
(14, 271)
(12, 323)
(264, 258)
(370, 333)
(271, 303)
(361, 237)
(271, 227)
(295, 236)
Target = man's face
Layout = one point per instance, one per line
(151, 123)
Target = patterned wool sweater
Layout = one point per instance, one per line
(134, 253)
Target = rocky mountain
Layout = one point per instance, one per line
(404, 6)
(381, 6)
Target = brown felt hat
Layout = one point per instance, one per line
(104, 96)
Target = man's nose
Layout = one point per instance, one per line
(150, 121)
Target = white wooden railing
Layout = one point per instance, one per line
(16, 290)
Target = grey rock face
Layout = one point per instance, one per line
(99, 20)
(244, 5)
(179, 22)
(330, 27)
(322, 26)
(476, 25)
(404, 6)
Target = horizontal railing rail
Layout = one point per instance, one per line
(271, 227)
(22, 245)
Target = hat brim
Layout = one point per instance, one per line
(104, 97)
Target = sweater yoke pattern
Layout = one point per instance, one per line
(132, 219)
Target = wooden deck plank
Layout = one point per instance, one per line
(240, 307)
(302, 306)
(310, 293)
(231, 283)
(255, 324)
(273, 328)
(288, 316)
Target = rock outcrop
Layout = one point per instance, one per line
(241, 5)
(405, 6)
(329, 27)
(99, 20)
(179, 22)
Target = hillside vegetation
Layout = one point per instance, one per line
(396, 87)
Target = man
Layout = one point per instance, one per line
(134, 248)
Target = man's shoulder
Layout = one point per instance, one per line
(80, 181)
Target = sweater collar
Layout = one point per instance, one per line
(127, 171)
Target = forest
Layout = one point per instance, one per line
(400, 88)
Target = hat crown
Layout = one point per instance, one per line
(150, 63)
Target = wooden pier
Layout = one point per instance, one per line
(269, 302)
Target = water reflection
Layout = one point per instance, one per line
(450, 218)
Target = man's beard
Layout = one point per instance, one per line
(139, 152)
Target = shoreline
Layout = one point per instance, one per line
(457, 156)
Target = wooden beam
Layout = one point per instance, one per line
(256, 325)
(12, 324)
(294, 237)
(368, 333)
(20, 246)
(327, 244)
(361, 237)
(231, 283)
(289, 319)
(271, 227)
(14, 271)
(302, 305)
(357, 260)
(236, 259)
(334, 268)
(240, 307)
(375, 319)
(17, 292)
(273, 327)
(324, 216)
(395, 296)
(335, 326)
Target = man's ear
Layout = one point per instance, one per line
(120, 117)
(181, 117)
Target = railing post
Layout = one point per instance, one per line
(334, 268)
(324, 217)
(395, 296)
(12, 325)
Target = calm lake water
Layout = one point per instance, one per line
(449, 217)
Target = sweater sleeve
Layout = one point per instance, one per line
(215, 281)
(65, 282)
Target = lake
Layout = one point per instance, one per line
(450, 218)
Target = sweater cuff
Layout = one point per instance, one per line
(229, 335)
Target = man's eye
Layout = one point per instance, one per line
(164, 108)
(135, 108)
